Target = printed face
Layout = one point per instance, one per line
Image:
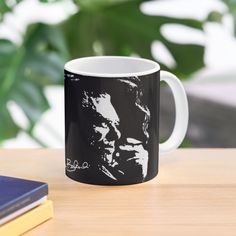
(103, 129)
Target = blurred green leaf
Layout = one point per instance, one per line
(232, 9)
(8, 128)
(186, 144)
(90, 5)
(48, 1)
(101, 27)
(215, 16)
(26, 70)
(122, 29)
(4, 7)
(7, 6)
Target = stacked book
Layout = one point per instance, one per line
(23, 205)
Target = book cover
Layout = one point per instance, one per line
(28, 221)
(17, 193)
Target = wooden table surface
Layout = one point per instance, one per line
(194, 194)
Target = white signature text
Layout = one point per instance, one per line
(72, 166)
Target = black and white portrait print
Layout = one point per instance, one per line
(107, 129)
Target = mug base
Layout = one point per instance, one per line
(108, 183)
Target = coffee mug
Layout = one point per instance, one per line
(112, 119)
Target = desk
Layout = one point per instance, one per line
(194, 194)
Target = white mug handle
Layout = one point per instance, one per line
(181, 109)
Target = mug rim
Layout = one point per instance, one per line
(70, 66)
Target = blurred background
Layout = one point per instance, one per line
(196, 40)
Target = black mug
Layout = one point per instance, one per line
(112, 119)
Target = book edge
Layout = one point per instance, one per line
(21, 211)
(34, 195)
(29, 220)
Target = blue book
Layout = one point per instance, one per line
(16, 194)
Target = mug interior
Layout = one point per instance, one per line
(112, 66)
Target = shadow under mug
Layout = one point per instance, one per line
(112, 119)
